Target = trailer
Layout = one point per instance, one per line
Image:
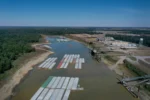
(51, 82)
(70, 83)
(83, 60)
(45, 65)
(64, 86)
(65, 55)
(45, 84)
(54, 95)
(79, 66)
(71, 58)
(76, 66)
(42, 95)
(48, 59)
(54, 59)
(56, 82)
(42, 64)
(61, 82)
(52, 65)
(75, 56)
(74, 60)
(66, 58)
(65, 66)
(77, 60)
(62, 66)
(48, 65)
(66, 95)
(78, 56)
(61, 62)
(49, 94)
(60, 95)
(75, 83)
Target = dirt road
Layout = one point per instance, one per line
(120, 61)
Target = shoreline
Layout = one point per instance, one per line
(7, 89)
(109, 64)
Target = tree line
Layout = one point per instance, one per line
(13, 45)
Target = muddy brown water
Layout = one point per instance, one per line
(98, 81)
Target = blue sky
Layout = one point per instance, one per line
(101, 13)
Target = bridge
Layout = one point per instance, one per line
(133, 85)
(136, 78)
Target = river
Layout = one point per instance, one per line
(98, 81)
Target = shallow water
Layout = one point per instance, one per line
(98, 81)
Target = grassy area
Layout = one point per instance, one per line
(133, 68)
(126, 71)
(112, 59)
(132, 58)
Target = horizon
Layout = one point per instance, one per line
(80, 26)
(76, 13)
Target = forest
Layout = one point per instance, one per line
(140, 32)
(133, 39)
(13, 45)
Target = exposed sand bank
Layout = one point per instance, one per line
(6, 90)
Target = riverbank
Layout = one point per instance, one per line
(115, 65)
(119, 68)
(24, 65)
